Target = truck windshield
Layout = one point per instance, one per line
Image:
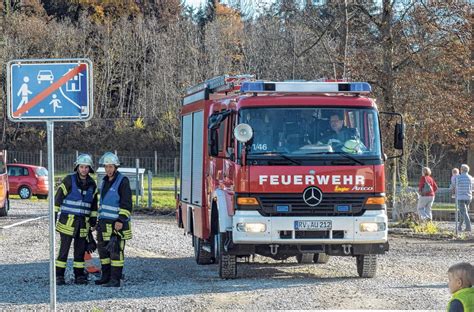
(307, 132)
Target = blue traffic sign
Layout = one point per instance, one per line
(50, 90)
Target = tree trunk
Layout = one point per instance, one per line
(387, 46)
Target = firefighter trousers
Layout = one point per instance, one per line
(114, 259)
(79, 250)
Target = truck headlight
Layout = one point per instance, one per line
(251, 227)
(372, 226)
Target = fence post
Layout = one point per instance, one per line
(394, 192)
(41, 158)
(156, 163)
(77, 154)
(150, 195)
(175, 177)
(137, 190)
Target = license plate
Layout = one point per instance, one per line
(313, 225)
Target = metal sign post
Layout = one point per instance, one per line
(52, 236)
(50, 90)
(456, 216)
(456, 207)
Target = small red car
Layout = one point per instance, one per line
(27, 180)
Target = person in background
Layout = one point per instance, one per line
(427, 188)
(464, 188)
(460, 281)
(452, 186)
(76, 203)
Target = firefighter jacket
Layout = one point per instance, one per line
(76, 200)
(115, 206)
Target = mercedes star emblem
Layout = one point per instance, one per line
(312, 196)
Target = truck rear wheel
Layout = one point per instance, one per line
(227, 262)
(304, 258)
(321, 258)
(202, 256)
(366, 265)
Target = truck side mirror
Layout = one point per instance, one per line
(399, 131)
(213, 142)
(399, 136)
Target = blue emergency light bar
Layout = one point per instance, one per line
(305, 87)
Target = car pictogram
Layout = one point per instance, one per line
(45, 75)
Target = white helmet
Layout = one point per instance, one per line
(84, 159)
(109, 158)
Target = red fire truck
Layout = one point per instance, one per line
(283, 169)
(4, 201)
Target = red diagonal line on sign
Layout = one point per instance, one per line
(54, 86)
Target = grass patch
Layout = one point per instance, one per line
(32, 198)
(427, 228)
(443, 206)
(163, 196)
(412, 222)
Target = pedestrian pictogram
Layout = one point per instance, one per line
(56, 90)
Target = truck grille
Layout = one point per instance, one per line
(297, 206)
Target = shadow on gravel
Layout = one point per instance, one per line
(153, 278)
(22, 217)
(442, 285)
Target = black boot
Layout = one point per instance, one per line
(112, 283)
(115, 277)
(60, 276)
(80, 277)
(105, 275)
(80, 280)
(60, 280)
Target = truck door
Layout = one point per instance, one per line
(222, 153)
(229, 148)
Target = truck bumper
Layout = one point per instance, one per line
(281, 230)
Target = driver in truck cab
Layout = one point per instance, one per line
(339, 133)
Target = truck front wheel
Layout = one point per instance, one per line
(201, 255)
(227, 262)
(366, 265)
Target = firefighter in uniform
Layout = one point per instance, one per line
(76, 204)
(114, 226)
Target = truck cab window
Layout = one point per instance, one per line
(307, 132)
(221, 135)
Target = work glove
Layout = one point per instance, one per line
(113, 246)
(91, 245)
(92, 221)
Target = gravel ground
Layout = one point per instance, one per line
(160, 273)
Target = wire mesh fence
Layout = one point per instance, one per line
(168, 167)
(158, 165)
(157, 189)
